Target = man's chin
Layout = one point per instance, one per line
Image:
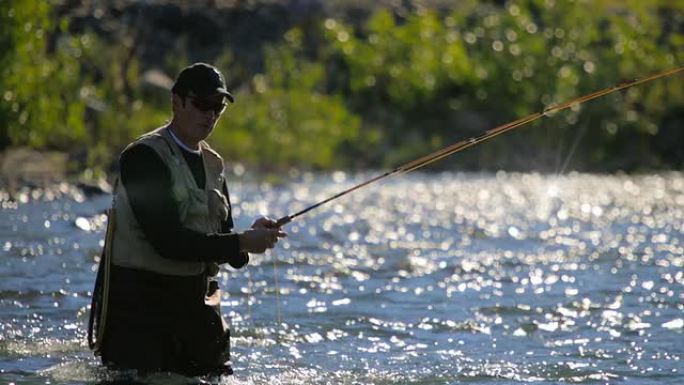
(204, 130)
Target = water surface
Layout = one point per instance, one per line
(427, 278)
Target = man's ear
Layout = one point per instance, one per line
(177, 101)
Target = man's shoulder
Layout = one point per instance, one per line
(141, 164)
(149, 139)
(206, 149)
(139, 153)
(153, 135)
(144, 147)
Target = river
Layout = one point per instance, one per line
(442, 278)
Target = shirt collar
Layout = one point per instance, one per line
(181, 144)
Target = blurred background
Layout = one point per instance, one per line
(347, 84)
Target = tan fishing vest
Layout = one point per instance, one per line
(200, 209)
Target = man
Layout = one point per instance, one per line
(172, 228)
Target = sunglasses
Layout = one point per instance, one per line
(206, 105)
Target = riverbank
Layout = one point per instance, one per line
(29, 175)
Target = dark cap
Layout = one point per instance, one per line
(202, 80)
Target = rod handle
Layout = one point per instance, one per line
(283, 221)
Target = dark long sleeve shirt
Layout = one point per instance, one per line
(147, 181)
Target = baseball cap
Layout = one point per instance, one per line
(202, 80)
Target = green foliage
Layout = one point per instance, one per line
(425, 75)
(121, 108)
(40, 106)
(285, 128)
(407, 65)
(285, 120)
(373, 92)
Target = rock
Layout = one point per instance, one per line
(31, 167)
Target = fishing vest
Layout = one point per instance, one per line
(200, 209)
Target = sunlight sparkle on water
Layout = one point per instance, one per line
(441, 278)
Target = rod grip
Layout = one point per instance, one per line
(283, 221)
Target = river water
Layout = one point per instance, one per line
(423, 279)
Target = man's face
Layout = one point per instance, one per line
(199, 115)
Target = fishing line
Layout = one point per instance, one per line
(250, 294)
(491, 133)
(573, 148)
(277, 291)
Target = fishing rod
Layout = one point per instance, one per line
(463, 144)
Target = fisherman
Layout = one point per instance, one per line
(172, 229)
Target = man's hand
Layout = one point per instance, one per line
(258, 240)
(264, 223)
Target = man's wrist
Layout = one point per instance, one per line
(241, 241)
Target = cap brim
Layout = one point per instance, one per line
(225, 93)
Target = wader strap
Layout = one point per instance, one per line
(99, 302)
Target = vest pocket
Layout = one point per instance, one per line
(194, 210)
